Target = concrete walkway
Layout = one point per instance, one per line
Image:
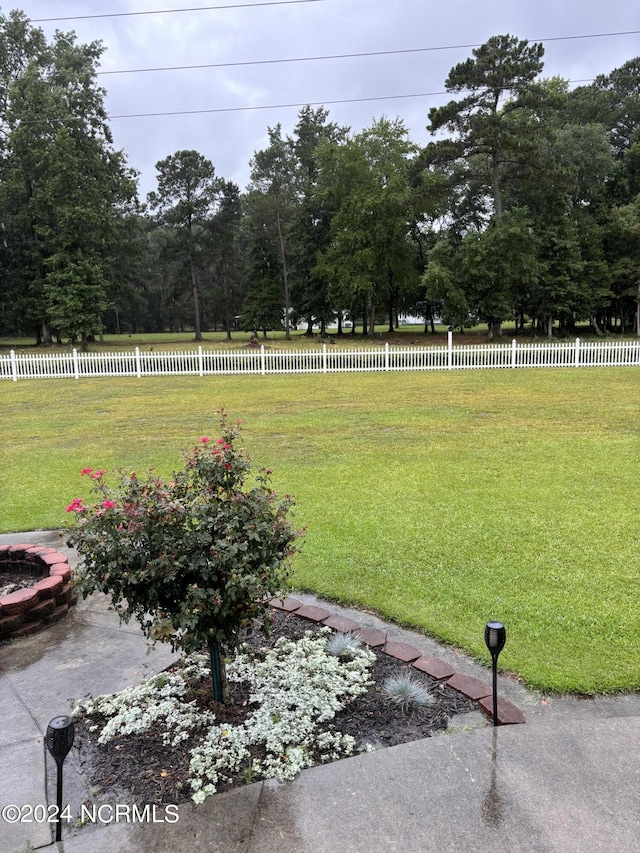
(568, 780)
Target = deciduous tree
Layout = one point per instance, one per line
(64, 187)
(272, 202)
(311, 225)
(365, 182)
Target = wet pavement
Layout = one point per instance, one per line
(567, 780)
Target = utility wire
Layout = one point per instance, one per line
(277, 106)
(277, 61)
(292, 60)
(297, 105)
(344, 55)
(170, 11)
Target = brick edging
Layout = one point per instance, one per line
(469, 686)
(29, 610)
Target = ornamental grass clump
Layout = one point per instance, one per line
(343, 645)
(195, 558)
(406, 692)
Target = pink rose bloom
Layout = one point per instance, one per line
(85, 472)
(76, 505)
(205, 439)
(108, 504)
(97, 474)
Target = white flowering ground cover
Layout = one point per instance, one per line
(292, 693)
(300, 697)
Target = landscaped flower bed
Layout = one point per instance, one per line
(46, 593)
(301, 697)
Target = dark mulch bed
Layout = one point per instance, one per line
(142, 770)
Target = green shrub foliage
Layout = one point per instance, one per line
(195, 558)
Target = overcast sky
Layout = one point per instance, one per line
(229, 133)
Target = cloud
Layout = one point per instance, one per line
(324, 28)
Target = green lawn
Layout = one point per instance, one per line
(409, 335)
(440, 500)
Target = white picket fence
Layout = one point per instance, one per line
(325, 359)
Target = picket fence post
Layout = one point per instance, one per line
(14, 366)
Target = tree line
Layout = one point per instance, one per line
(524, 206)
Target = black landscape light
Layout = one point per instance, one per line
(59, 740)
(495, 636)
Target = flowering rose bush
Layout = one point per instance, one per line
(195, 558)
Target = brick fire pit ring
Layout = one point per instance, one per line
(44, 602)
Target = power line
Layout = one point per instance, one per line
(170, 11)
(277, 61)
(589, 36)
(345, 55)
(292, 105)
(293, 60)
(277, 106)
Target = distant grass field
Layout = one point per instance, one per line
(439, 500)
(403, 335)
(218, 340)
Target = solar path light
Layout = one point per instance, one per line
(495, 636)
(59, 740)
